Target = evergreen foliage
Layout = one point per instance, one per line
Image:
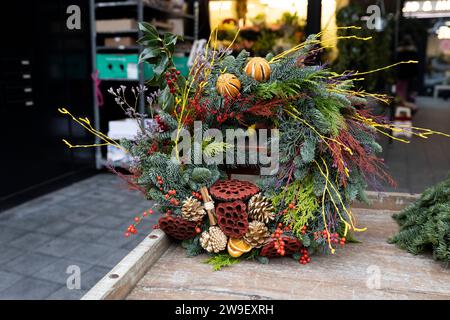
(425, 224)
(327, 145)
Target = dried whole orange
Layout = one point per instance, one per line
(228, 85)
(258, 68)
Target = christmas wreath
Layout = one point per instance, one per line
(325, 137)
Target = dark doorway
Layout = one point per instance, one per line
(44, 66)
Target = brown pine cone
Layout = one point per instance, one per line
(192, 210)
(260, 208)
(257, 234)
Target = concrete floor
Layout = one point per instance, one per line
(83, 224)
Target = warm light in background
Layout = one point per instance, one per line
(272, 9)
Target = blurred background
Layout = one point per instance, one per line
(61, 206)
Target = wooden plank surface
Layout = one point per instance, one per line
(372, 269)
(117, 283)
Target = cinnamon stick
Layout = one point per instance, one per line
(207, 199)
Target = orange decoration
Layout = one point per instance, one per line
(258, 68)
(236, 247)
(239, 245)
(228, 85)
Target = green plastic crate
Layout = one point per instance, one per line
(123, 66)
(181, 64)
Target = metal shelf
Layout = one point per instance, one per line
(167, 11)
(107, 33)
(114, 79)
(120, 48)
(115, 4)
(140, 10)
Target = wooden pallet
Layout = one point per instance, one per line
(372, 269)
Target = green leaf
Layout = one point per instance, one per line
(166, 98)
(200, 174)
(307, 150)
(148, 53)
(170, 39)
(306, 241)
(221, 260)
(148, 29)
(263, 260)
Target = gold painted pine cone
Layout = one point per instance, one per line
(258, 68)
(260, 208)
(228, 85)
(257, 234)
(192, 210)
(213, 240)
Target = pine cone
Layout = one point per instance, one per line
(192, 210)
(257, 234)
(260, 208)
(213, 240)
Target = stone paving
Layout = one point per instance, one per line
(82, 224)
(423, 162)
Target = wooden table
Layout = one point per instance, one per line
(373, 269)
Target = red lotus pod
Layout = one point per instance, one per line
(232, 218)
(231, 190)
(177, 227)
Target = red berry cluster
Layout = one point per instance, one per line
(291, 206)
(304, 259)
(279, 243)
(170, 194)
(161, 124)
(171, 79)
(153, 148)
(334, 237)
(197, 195)
(225, 112)
(221, 118)
(132, 227)
(160, 181)
(303, 230)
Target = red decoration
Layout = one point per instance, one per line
(177, 227)
(232, 218)
(231, 190)
(291, 246)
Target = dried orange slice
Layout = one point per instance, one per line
(233, 253)
(239, 245)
